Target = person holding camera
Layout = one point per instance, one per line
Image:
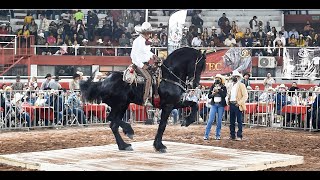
(217, 93)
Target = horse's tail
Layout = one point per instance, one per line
(89, 89)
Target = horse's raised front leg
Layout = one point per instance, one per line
(157, 144)
(192, 116)
(115, 119)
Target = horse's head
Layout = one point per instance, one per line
(195, 67)
(185, 64)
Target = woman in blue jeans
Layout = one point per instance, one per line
(217, 93)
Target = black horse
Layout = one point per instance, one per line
(182, 67)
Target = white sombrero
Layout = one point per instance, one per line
(100, 41)
(282, 86)
(80, 73)
(145, 27)
(223, 80)
(236, 73)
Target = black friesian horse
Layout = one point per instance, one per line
(182, 67)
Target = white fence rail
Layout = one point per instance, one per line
(37, 109)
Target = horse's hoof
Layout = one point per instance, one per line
(130, 136)
(129, 148)
(188, 123)
(162, 150)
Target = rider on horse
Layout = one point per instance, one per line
(141, 54)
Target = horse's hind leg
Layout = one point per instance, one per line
(121, 144)
(157, 144)
(114, 125)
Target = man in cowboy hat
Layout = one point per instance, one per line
(141, 54)
(46, 84)
(245, 79)
(281, 98)
(17, 85)
(238, 96)
(74, 83)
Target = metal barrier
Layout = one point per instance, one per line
(37, 109)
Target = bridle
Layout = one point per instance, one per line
(189, 81)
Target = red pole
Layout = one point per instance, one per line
(27, 38)
(29, 68)
(3, 56)
(19, 45)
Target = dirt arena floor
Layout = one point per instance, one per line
(295, 142)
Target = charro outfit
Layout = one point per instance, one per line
(141, 55)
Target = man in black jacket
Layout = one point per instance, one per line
(92, 23)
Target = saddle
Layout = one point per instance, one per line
(131, 75)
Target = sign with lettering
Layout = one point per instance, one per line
(225, 61)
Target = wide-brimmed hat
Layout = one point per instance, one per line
(8, 88)
(84, 40)
(48, 75)
(271, 89)
(223, 80)
(17, 97)
(41, 35)
(99, 74)
(214, 28)
(145, 27)
(236, 73)
(100, 41)
(247, 73)
(76, 75)
(282, 86)
(80, 73)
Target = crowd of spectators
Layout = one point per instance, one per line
(257, 34)
(74, 28)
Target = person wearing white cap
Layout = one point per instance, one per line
(281, 98)
(98, 77)
(20, 112)
(141, 54)
(238, 96)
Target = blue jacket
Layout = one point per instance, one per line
(281, 100)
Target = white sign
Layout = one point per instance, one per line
(176, 25)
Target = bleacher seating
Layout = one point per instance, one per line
(242, 17)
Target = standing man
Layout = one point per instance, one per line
(245, 79)
(141, 54)
(46, 84)
(268, 81)
(237, 98)
(17, 85)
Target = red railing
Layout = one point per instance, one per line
(8, 51)
(25, 45)
(19, 47)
